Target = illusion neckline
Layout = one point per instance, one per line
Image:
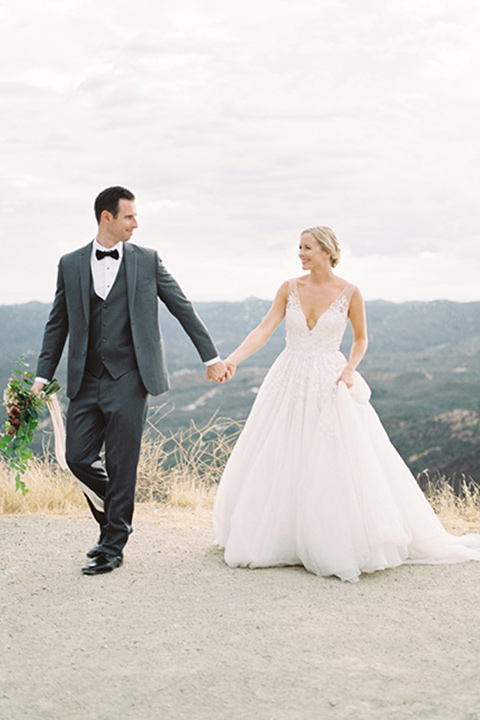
(337, 297)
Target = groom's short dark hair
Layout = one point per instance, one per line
(109, 200)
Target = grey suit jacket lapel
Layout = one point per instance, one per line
(130, 260)
(85, 272)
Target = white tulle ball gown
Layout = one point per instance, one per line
(314, 479)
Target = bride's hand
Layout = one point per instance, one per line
(231, 367)
(347, 376)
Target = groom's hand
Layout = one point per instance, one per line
(37, 387)
(217, 372)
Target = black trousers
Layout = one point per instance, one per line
(112, 413)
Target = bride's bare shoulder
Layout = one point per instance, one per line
(283, 291)
(342, 282)
(336, 283)
(301, 280)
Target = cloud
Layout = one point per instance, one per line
(238, 124)
(421, 276)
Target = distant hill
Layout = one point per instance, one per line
(440, 332)
(422, 364)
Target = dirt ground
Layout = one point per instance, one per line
(174, 633)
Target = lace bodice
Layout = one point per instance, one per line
(327, 334)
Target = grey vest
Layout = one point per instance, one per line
(110, 342)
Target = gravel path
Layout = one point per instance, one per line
(176, 634)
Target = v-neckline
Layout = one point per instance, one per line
(321, 314)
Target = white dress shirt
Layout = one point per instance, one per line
(104, 272)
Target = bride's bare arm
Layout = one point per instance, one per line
(259, 336)
(360, 339)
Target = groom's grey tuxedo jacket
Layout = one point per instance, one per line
(146, 280)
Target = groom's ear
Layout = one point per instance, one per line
(106, 216)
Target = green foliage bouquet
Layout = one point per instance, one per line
(23, 408)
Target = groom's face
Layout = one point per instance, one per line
(121, 227)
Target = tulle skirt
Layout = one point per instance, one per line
(315, 481)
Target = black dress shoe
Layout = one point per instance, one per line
(102, 564)
(94, 551)
(97, 548)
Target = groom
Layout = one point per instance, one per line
(106, 302)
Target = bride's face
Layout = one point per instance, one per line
(310, 252)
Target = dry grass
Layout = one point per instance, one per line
(181, 471)
(51, 490)
(459, 513)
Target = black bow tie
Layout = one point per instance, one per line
(100, 254)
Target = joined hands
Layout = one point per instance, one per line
(221, 371)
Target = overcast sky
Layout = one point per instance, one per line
(238, 123)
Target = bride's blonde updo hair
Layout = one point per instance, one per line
(327, 240)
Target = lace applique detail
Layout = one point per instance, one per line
(311, 363)
(326, 335)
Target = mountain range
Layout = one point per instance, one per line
(422, 365)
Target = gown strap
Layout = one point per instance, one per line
(347, 292)
(292, 287)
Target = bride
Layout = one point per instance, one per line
(314, 479)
